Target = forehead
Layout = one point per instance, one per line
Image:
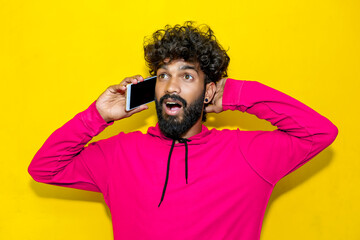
(179, 64)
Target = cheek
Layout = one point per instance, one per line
(157, 91)
(192, 93)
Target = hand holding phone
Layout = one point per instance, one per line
(111, 104)
(140, 93)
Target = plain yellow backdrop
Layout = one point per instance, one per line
(57, 57)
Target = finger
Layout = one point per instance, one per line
(210, 109)
(129, 80)
(138, 78)
(138, 109)
(119, 88)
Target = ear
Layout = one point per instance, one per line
(209, 92)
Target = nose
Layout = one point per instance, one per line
(173, 86)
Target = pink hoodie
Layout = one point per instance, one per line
(231, 173)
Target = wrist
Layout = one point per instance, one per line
(102, 114)
(232, 93)
(93, 120)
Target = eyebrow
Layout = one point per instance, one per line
(184, 67)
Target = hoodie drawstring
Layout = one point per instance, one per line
(181, 140)
(185, 141)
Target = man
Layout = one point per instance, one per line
(181, 180)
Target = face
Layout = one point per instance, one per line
(179, 97)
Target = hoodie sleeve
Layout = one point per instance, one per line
(60, 161)
(302, 133)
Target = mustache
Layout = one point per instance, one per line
(175, 97)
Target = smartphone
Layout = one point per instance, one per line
(140, 93)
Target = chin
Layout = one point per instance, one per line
(178, 118)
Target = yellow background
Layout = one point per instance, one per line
(57, 57)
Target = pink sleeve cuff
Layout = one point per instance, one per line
(232, 93)
(93, 120)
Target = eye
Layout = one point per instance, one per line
(188, 77)
(162, 76)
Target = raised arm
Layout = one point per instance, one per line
(302, 133)
(64, 160)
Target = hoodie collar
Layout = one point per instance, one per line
(199, 138)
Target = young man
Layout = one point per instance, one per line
(181, 180)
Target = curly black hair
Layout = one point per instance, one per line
(193, 44)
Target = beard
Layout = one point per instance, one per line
(175, 126)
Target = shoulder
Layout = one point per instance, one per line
(119, 138)
(241, 135)
(224, 133)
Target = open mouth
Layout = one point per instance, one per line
(172, 107)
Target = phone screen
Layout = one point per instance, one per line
(141, 93)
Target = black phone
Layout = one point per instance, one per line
(140, 93)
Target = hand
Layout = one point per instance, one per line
(216, 104)
(112, 103)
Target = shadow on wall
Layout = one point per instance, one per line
(228, 119)
(301, 175)
(50, 191)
